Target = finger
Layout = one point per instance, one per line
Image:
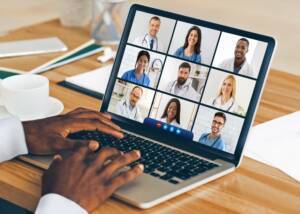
(97, 161)
(107, 115)
(124, 178)
(57, 157)
(81, 109)
(103, 118)
(121, 162)
(77, 110)
(62, 143)
(79, 124)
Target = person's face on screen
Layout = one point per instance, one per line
(217, 125)
(135, 96)
(193, 38)
(241, 49)
(154, 27)
(172, 111)
(183, 75)
(227, 87)
(142, 63)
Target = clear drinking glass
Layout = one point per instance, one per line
(75, 13)
(108, 19)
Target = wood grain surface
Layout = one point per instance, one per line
(252, 188)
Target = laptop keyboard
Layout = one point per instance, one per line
(158, 160)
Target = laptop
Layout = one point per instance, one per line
(185, 91)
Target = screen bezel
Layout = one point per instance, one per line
(166, 137)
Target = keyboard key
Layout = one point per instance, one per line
(173, 181)
(159, 161)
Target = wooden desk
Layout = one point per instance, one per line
(252, 188)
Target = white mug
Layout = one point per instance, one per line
(25, 95)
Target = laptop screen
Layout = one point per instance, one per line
(187, 79)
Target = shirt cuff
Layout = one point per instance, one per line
(12, 137)
(54, 203)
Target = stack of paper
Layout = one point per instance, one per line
(277, 143)
(95, 80)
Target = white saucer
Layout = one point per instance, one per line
(55, 107)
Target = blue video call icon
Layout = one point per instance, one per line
(161, 125)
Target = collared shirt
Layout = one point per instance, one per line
(194, 57)
(212, 142)
(12, 144)
(186, 90)
(125, 109)
(145, 41)
(130, 76)
(173, 123)
(231, 105)
(246, 68)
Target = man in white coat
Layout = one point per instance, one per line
(150, 40)
(70, 185)
(129, 107)
(183, 85)
(239, 64)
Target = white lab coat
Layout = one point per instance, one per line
(173, 123)
(144, 41)
(246, 69)
(186, 90)
(12, 144)
(123, 109)
(231, 105)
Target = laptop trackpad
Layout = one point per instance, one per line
(144, 189)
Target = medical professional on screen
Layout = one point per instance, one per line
(128, 107)
(239, 64)
(171, 114)
(214, 138)
(150, 40)
(192, 44)
(138, 75)
(183, 85)
(225, 99)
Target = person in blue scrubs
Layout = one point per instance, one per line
(138, 75)
(214, 138)
(191, 48)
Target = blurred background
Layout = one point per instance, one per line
(280, 19)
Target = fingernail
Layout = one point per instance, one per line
(57, 157)
(138, 153)
(141, 166)
(94, 145)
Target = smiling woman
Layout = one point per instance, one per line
(192, 44)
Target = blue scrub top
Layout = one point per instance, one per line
(215, 143)
(130, 76)
(195, 57)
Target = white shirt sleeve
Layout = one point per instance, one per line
(12, 137)
(12, 144)
(54, 203)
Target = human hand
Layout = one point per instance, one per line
(89, 178)
(48, 136)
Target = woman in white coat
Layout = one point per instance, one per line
(171, 114)
(225, 99)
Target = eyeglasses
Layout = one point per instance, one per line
(217, 123)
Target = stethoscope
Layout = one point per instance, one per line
(125, 105)
(146, 41)
(215, 141)
(215, 100)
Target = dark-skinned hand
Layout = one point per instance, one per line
(89, 178)
(48, 136)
